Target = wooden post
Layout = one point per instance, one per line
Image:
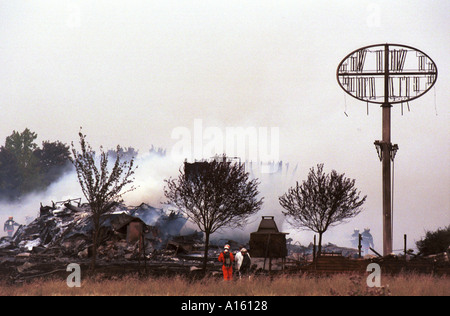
(404, 244)
(266, 253)
(359, 245)
(314, 249)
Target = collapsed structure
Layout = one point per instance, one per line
(65, 230)
(62, 233)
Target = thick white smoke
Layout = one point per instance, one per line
(27, 208)
(153, 168)
(274, 180)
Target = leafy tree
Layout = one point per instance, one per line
(24, 167)
(10, 179)
(101, 186)
(214, 195)
(54, 159)
(435, 242)
(322, 201)
(22, 147)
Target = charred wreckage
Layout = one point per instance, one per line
(131, 238)
(134, 239)
(62, 233)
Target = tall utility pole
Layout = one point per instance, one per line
(386, 160)
(386, 74)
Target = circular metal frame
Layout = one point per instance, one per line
(367, 77)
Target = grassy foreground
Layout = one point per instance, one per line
(283, 285)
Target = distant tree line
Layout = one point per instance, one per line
(25, 167)
(129, 153)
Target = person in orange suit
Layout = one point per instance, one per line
(227, 258)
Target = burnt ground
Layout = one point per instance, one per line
(18, 270)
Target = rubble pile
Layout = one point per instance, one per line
(66, 231)
(130, 238)
(62, 234)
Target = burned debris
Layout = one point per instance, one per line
(129, 238)
(144, 236)
(64, 232)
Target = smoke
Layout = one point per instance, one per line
(26, 209)
(152, 171)
(274, 178)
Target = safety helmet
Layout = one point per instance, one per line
(10, 217)
(243, 250)
(227, 247)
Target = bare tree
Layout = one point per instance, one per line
(214, 195)
(101, 187)
(322, 201)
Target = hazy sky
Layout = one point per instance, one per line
(132, 72)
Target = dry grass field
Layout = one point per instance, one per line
(282, 285)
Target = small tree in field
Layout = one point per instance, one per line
(322, 201)
(101, 187)
(218, 194)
